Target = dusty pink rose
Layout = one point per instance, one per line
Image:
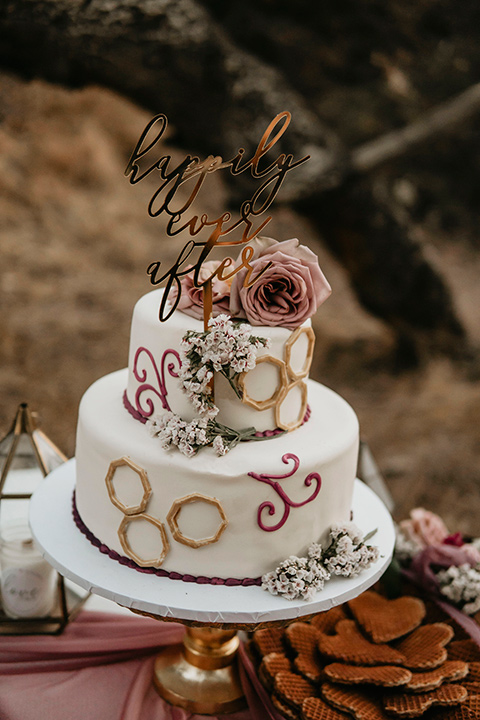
(424, 528)
(288, 293)
(191, 298)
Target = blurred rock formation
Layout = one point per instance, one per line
(221, 72)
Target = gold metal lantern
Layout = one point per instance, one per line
(34, 597)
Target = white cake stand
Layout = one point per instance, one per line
(200, 675)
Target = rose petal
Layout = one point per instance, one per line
(289, 291)
(191, 298)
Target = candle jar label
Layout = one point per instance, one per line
(27, 592)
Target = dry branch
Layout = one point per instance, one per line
(438, 121)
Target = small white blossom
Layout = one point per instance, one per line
(172, 431)
(309, 593)
(315, 551)
(302, 577)
(347, 555)
(349, 529)
(461, 585)
(228, 348)
(189, 437)
(218, 445)
(296, 578)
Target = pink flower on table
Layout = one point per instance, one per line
(288, 293)
(191, 299)
(472, 553)
(424, 528)
(455, 539)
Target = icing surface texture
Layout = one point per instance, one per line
(322, 451)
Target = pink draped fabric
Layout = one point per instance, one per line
(100, 668)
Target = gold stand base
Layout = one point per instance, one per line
(201, 675)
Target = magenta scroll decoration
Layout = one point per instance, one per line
(287, 502)
(159, 387)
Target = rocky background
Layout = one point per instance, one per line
(397, 236)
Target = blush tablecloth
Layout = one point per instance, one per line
(101, 668)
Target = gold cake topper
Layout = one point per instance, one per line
(145, 160)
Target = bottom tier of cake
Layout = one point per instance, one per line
(235, 516)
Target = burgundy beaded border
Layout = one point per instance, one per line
(266, 433)
(134, 413)
(200, 579)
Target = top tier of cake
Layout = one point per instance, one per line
(274, 392)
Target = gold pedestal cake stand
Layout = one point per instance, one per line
(200, 675)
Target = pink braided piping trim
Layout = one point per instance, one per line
(199, 579)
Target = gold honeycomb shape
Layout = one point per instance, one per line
(175, 511)
(288, 427)
(288, 380)
(292, 340)
(123, 536)
(273, 399)
(142, 475)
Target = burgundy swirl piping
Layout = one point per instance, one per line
(288, 503)
(159, 387)
(113, 555)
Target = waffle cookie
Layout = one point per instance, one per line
(283, 708)
(414, 705)
(326, 622)
(425, 648)
(360, 704)
(473, 704)
(330, 668)
(466, 649)
(271, 665)
(450, 670)
(317, 709)
(292, 689)
(302, 639)
(383, 675)
(268, 640)
(350, 646)
(385, 620)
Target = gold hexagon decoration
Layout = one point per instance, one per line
(175, 510)
(292, 340)
(303, 408)
(123, 537)
(142, 475)
(282, 382)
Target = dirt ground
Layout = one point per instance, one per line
(75, 241)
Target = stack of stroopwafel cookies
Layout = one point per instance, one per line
(371, 659)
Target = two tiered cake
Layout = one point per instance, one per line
(155, 491)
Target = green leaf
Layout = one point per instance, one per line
(369, 535)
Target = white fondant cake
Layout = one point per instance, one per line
(327, 444)
(234, 516)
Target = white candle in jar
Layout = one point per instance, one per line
(27, 581)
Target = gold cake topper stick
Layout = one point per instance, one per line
(207, 303)
(207, 316)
